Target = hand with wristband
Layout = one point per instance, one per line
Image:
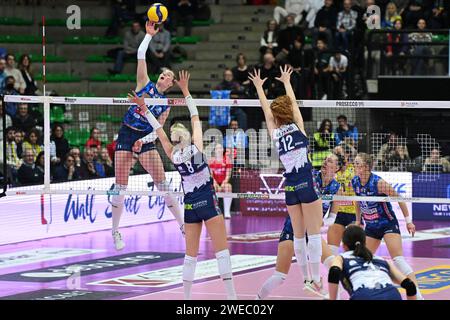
(410, 225)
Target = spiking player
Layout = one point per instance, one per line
(325, 185)
(137, 135)
(381, 222)
(200, 199)
(286, 128)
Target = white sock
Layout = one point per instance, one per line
(301, 255)
(334, 250)
(227, 206)
(117, 206)
(274, 281)
(174, 208)
(188, 275)
(328, 261)
(406, 269)
(226, 273)
(315, 253)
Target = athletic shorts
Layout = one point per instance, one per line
(388, 292)
(299, 188)
(344, 219)
(201, 207)
(378, 229)
(127, 137)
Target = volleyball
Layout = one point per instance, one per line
(157, 13)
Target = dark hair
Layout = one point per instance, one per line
(7, 78)
(355, 239)
(9, 55)
(322, 125)
(341, 117)
(39, 156)
(56, 126)
(92, 130)
(240, 54)
(29, 133)
(22, 67)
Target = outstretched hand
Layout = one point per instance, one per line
(151, 28)
(286, 72)
(256, 78)
(183, 82)
(140, 101)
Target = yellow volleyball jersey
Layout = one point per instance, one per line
(345, 180)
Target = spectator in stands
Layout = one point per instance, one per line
(270, 71)
(111, 147)
(221, 167)
(435, 163)
(228, 83)
(293, 8)
(346, 23)
(2, 74)
(297, 60)
(323, 143)
(8, 122)
(61, 143)
(439, 18)
(159, 51)
(390, 17)
(66, 171)
(325, 23)
(105, 160)
(11, 70)
(13, 160)
(269, 40)
(393, 155)
(28, 172)
(131, 42)
(182, 11)
(32, 142)
(23, 120)
(76, 154)
(27, 74)
(94, 139)
(420, 65)
(321, 68)
(286, 39)
(345, 130)
(398, 47)
(416, 10)
(314, 7)
(203, 11)
(8, 89)
(338, 75)
(235, 138)
(241, 70)
(122, 12)
(19, 136)
(89, 168)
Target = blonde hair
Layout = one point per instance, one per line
(178, 132)
(282, 110)
(366, 158)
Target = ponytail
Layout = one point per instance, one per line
(355, 239)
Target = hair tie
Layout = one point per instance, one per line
(357, 243)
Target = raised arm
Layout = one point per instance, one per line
(157, 127)
(258, 83)
(141, 74)
(285, 78)
(387, 189)
(197, 134)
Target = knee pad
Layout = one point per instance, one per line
(300, 250)
(402, 265)
(117, 200)
(189, 268)
(315, 248)
(224, 262)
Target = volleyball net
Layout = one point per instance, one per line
(408, 141)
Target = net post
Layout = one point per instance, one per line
(46, 144)
(5, 164)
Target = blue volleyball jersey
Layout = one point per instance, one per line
(330, 189)
(292, 147)
(194, 170)
(358, 273)
(372, 211)
(137, 121)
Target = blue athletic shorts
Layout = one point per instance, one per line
(127, 137)
(389, 292)
(377, 229)
(201, 206)
(344, 219)
(300, 188)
